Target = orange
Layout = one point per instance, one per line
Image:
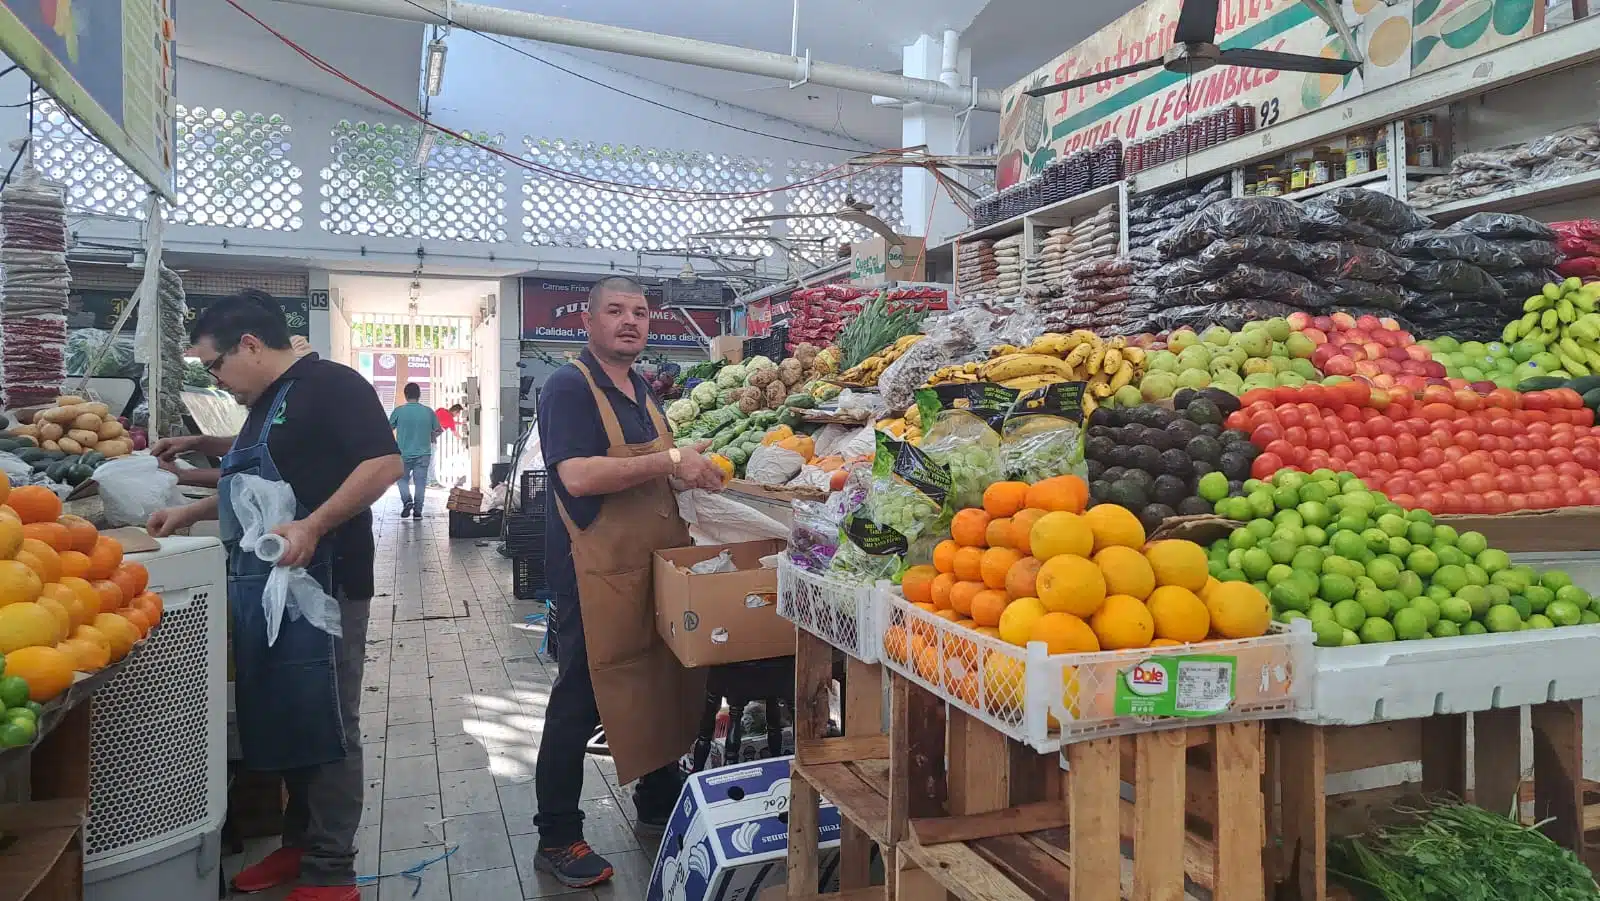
(999, 532)
(52, 533)
(105, 558)
(1064, 633)
(7, 513)
(916, 584)
(1114, 526)
(1127, 571)
(150, 603)
(1179, 614)
(1016, 621)
(19, 584)
(87, 593)
(83, 532)
(47, 556)
(74, 563)
(950, 615)
(11, 537)
(1059, 532)
(77, 610)
(1066, 493)
(1238, 610)
(894, 643)
(939, 589)
(26, 625)
(1003, 679)
(1181, 563)
(90, 633)
(1005, 498)
(944, 556)
(110, 595)
(87, 657)
(969, 527)
(121, 633)
(1165, 643)
(63, 619)
(132, 578)
(969, 564)
(961, 595)
(5, 487)
(997, 562)
(1071, 584)
(1022, 529)
(35, 503)
(928, 664)
(1022, 580)
(1123, 622)
(47, 671)
(136, 616)
(987, 607)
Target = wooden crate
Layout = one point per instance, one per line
(41, 841)
(851, 771)
(1001, 822)
(1307, 757)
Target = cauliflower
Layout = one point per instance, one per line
(680, 412)
(791, 371)
(759, 362)
(761, 378)
(704, 395)
(731, 376)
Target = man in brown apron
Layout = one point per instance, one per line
(613, 468)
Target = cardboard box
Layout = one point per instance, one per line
(1532, 532)
(876, 262)
(728, 347)
(722, 617)
(728, 837)
(465, 501)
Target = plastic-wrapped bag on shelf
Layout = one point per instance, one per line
(961, 425)
(111, 356)
(1324, 223)
(1454, 277)
(1355, 292)
(1532, 253)
(1273, 253)
(1445, 304)
(1042, 436)
(1520, 283)
(1578, 228)
(1247, 281)
(1577, 246)
(1582, 267)
(1505, 226)
(1180, 272)
(1231, 314)
(1437, 244)
(1266, 216)
(1373, 208)
(1347, 259)
(909, 495)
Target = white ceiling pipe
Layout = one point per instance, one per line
(631, 42)
(950, 58)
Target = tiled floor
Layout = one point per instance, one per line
(452, 706)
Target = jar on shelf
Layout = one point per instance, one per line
(1250, 189)
(1422, 128)
(1380, 152)
(1300, 174)
(1427, 154)
(1272, 187)
(1357, 155)
(1324, 161)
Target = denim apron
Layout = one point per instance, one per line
(286, 695)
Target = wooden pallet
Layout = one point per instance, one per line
(1001, 822)
(1306, 757)
(851, 771)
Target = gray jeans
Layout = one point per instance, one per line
(414, 481)
(324, 807)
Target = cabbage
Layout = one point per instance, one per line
(759, 362)
(731, 376)
(681, 411)
(704, 395)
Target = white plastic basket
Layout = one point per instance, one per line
(1050, 700)
(844, 614)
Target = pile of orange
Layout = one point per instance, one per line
(1033, 564)
(68, 601)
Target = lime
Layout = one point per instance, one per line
(1373, 601)
(1384, 573)
(1232, 575)
(1325, 475)
(1283, 498)
(1278, 574)
(1315, 536)
(1336, 588)
(1510, 578)
(1476, 574)
(1428, 608)
(1451, 577)
(1243, 539)
(1520, 603)
(1235, 559)
(1281, 550)
(1493, 560)
(1477, 598)
(1419, 533)
(1437, 593)
(1290, 596)
(22, 713)
(1213, 486)
(1410, 584)
(1502, 618)
(1289, 517)
(1329, 633)
(1445, 534)
(1564, 613)
(1357, 504)
(1214, 567)
(1353, 522)
(1498, 594)
(15, 735)
(1376, 630)
(1288, 478)
(1555, 579)
(1445, 629)
(1313, 513)
(1396, 599)
(36, 707)
(1393, 524)
(1589, 618)
(1307, 558)
(1477, 628)
(1350, 639)
(1456, 610)
(1398, 547)
(1255, 563)
(1262, 586)
(1472, 543)
(1449, 554)
(1422, 561)
(1251, 486)
(1348, 544)
(1261, 527)
(1320, 609)
(1540, 621)
(1236, 508)
(13, 691)
(1377, 540)
(1410, 624)
(1349, 614)
(1313, 493)
(1529, 576)
(1289, 616)
(1420, 515)
(1539, 597)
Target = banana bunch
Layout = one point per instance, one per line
(902, 427)
(1564, 319)
(957, 372)
(1053, 357)
(867, 371)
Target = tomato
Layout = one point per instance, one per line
(1504, 398)
(1431, 501)
(1468, 440)
(1261, 418)
(1437, 411)
(1519, 501)
(1472, 502)
(1575, 497)
(1238, 420)
(1448, 471)
(1280, 447)
(1285, 395)
(1430, 457)
(1544, 480)
(1583, 416)
(1536, 400)
(1266, 433)
(1495, 502)
(1558, 454)
(1541, 500)
(1265, 465)
(1406, 444)
(1295, 435)
(1349, 413)
(1467, 399)
(1480, 482)
(1387, 462)
(1290, 416)
(1256, 395)
(1594, 496)
(1586, 456)
(1318, 437)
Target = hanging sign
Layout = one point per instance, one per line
(552, 310)
(91, 308)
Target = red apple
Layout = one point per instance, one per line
(1369, 322)
(1315, 334)
(1340, 365)
(1483, 387)
(1343, 320)
(1418, 352)
(1299, 319)
(1324, 323)
(1435, 369)
(1384, 381)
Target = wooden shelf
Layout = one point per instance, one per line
(859, 790)
(1059, 213)
(43, 851)
(1354, 181)
(1525, 197)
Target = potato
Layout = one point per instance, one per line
(88, 421)
(51, 431)
(115, 447)
(70, 446)
(85, 437)
(110, 429)
(67, 400)
(99, 409)
(50, 445)
(61, 415)
(28, 431)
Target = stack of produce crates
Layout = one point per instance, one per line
(524, 536)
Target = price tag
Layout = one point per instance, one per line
(1192, 685)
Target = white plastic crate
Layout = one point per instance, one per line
(844, 614)
(1050, 700)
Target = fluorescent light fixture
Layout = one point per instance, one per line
(433, 80)
(687, 273)
(425, 146)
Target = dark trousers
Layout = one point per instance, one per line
(570, 721)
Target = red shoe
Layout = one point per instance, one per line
(281, 867)
(325, 893)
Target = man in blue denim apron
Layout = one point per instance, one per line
(319, 427)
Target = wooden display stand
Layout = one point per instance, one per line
(1311, 755)
(1004, 823)
(45, 860)
(851, 771)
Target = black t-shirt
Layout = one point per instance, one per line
(332, 421)
(569, 428)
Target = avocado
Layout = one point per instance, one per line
(1235, 486)
(1211, 430)
(1227, 403)
(1236, 465)
(1154, 515)
(1234, 438)
(1204, 412)
(1093, 470)
(1161, 439)
(1146, 458)
(1194, 506)
(1113, 473)
(1184, 397)
(1099, 489)
(1128, 494)
(1141, 478)
(1102, 416)
(1177, 463)
(1155, 417)
(1170, 490)
(1184, 429)
(1100, 449)
(1202, 447)
(1199, 468)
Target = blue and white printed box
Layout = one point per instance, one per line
(728, 838)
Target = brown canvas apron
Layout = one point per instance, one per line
(649, 702)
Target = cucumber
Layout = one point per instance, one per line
(1540, 383)
(32, 454)
(79, 473)
(1585, 384)
(92, 458)
(801, 402)
(9, 444)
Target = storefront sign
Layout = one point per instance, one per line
(100, 309)
(552, 310)
(1413, 35)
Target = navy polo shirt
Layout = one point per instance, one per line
(569, 428)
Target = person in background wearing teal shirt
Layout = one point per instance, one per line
(415, 426)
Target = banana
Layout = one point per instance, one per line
(1118, 342)
(1574, 367)
(1090, 404)
(1102, 389)
(1535, 303)
(913, 416)
(1018, 365)
(1570, 348)
(1079, 356)
(1005, 350)
(1134, 355)
(1032, 382)
(1592, 358)
(1086, 336)
(1508, 335)
(1565, 310)
(1113, 360)
(1548, 320)
(1529, 320)
(1122, 377)
(1095, 359)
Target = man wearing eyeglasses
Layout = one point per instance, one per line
(319, 427)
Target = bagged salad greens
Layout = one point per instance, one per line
(909, 496)
(1042, 436)
(961, 430)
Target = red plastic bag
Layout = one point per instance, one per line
(1582, 267)
(1578, 228)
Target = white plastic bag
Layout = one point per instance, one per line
(772, 465)
(15, 469)
(260, 506)
(715, 518)
(134, 487)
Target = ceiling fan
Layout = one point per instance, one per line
(855, 212)
(1194, 49)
